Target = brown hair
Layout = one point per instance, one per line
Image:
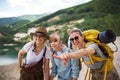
(54, 37)
(76, 30)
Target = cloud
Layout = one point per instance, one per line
(2, 14)
(20, 7)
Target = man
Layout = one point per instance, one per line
(83, 51)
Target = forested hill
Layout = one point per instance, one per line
(97, 14)
(8, 24)
(94, 14)
(11, 20)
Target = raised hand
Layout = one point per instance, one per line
(64, 57)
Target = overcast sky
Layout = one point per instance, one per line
(13, 8)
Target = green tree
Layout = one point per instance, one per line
(107, 6)
(113, 22)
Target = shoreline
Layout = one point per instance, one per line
(11, 72)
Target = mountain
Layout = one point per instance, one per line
(11, 20)
(8, 26)
(84, 16)
(32, 17)
(6, 21)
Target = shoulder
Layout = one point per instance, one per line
(98, 51)
(27, 46)
(29, 43)
(47, 54)
(91, 48)
(47, 49)
(94, 45)
(66, 49)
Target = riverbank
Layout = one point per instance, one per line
(11, 72)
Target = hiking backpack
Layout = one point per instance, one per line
(101, 38)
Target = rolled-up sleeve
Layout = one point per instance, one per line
(98, 50)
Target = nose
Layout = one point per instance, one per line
(74, 40)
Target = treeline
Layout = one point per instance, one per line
(97, 14)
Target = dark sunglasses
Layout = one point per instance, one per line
(75, 38)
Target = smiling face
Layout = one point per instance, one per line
(76, 39)
(39, 39)
(55, 42)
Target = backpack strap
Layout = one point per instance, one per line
(37, 63)
(44, 51)
(53, 53)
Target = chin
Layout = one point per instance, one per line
(76, 45)
(53, 48)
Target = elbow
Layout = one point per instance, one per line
(85, 52)
(20, 54)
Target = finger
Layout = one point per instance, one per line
(58, 57)
(65, 57)
(65, 62)
(68, 55)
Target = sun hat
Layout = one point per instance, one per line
(107, 36)
(41, 31)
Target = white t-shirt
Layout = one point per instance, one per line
(31, 56)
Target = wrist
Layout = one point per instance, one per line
(20, 66)
(69, 55)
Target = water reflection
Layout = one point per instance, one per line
(5, 60)
(8, 54)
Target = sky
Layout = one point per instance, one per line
(14, 8)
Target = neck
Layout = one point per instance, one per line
(59, 49)
(83, 45)
(39, 46)
(80, 46)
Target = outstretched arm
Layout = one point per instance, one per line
(77, 54)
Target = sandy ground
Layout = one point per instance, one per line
(11, 72)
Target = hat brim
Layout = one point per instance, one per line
(45, 35)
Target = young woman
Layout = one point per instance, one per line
(36, 65)
(69, 71)
(83, 51)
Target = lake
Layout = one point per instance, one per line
(8, 54)
(5, 60)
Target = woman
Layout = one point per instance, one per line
(69, 71)
(37, 59)
(84, 51)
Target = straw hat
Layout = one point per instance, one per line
(41, 31)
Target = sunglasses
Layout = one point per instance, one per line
(75, 38)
